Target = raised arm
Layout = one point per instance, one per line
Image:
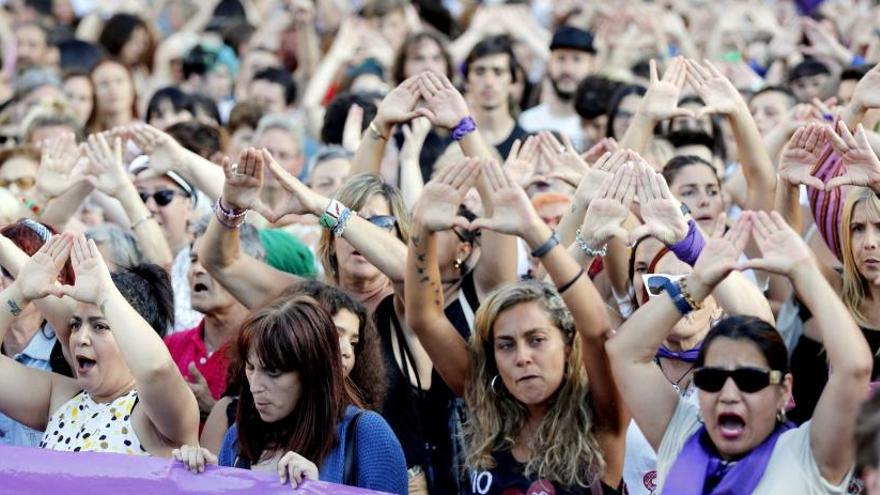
(721, 96)
(659, 103)
(109, 176)
(168, 402)
(247, 279)
(437, 210)
(833, 423)
(648, 394)
(60, 188)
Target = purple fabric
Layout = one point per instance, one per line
(465, 127)
(806, 7)
(698, 460)
(29, 470)
(689, 248)
(688, 356)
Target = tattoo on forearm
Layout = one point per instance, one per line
(14, 308)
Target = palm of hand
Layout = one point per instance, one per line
(511, 210)
(36, 276)
(437, 206)
(602, 219)
(241, 192)
(661, 100)
(719, 94)
(448, 108)
(868, 90)
(163, 154)
(53, 177)
(796, 164)
(782, 251)
(91, 278)
(716, 260)
(110, 179)
(520, 171)
(664, 218)
(398, 105)
(590, 184)
(862, 167)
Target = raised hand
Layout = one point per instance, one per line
(302, 199)
(661, 100)
(194, 458)
(605, 145)
(608, 210)
(414, 136)
(513, 212)
(38, 277)
(721, 252)
(717, 92)
(445, 105)
(563, 159)
(437, 208)
(244, 180)
(201, 390)
(164, 151)
(295, 469)
(93, 282)
(660, 211)
(399, 105)
(862, 168)
(520, 163)
(783, 251)
(801, 154)
(106, 165)
(605, 167)
(57, 161)
(867, 92)
(351, 131)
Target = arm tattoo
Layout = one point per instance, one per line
(14, 308)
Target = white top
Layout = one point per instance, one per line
(83, 425)
(539, 118)
(791, 469)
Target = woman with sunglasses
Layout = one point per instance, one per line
(737, 439)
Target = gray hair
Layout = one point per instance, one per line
(249, 237)
(285, 123)
(329, 152)
(34, 78)
(121, 245)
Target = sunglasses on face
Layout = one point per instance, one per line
(21, 182)
(384, 222)
(748, 380)
(655, 282)
(162, 198)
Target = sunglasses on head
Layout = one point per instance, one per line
(21, 182)
(656, 282)
(162, 197)
(748, 380)
(384, 222)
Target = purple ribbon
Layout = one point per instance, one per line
(698, 461)
(688, 356)
(689, 248)
(31, 470)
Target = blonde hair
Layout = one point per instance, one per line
(564, 449)
(354, 194)
(855, 286)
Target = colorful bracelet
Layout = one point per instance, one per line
(464, 127)
(231, 219)
(682, 284)
(30, 205)
(678, 298)
(330, 218)
(688, 249)
(339, 228)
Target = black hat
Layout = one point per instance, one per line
(572, 38)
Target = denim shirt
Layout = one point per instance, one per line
(35, 355)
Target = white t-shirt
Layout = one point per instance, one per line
(539, 118)
(791, 468)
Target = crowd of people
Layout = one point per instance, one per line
(447, 247)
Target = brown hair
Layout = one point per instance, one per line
(293, 335)
(245, 114)
(94, 123)
(397, 70)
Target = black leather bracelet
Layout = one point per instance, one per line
(547, 246)
(571, 282)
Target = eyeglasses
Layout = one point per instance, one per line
(384, 222)
(161, 197)
(655, 283)
(747, 379)
(21, 182)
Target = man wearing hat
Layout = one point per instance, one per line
(571, 59)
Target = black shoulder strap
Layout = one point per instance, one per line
(349, 467)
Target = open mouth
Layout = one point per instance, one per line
(731, 425)
(84, 364)
(200, 287)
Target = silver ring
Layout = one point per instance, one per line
(562, 149)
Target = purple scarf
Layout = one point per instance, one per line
(698, 461)
(688, 356)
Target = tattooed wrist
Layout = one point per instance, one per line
(13, 307)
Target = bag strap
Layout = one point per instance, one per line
(349, 467)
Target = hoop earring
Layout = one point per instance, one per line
(493, 386)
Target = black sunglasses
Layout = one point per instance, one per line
(162, 197)
(748, 380)
(384, 222)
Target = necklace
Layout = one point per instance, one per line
(676, 384)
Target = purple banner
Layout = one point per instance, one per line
(29, 470)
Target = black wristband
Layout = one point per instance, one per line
(567, 286)
(547, 246)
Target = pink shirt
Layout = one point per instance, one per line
(188, 346)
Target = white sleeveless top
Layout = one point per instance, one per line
(82, 424)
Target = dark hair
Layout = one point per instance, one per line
(293, 334)
(337, 112)
(755, 330)
(27, 235)
(118, 30)
(718, 148)
(147, 288)
(854, 73)
(198, 137)
(380, 8)
(95, 123)
(397, 71)
(867, 435)
(78, 56)
(691, 137)
(367, 382)
(279, 76)
(198, 61)
(792, 99)
(616, 100)
(179, 100)
(206, 105)
(237, 33)
(677, 163)
(244, 114)
(808, 68)
(592, 96)
(493, 45)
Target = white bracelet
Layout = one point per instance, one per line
(586, 249)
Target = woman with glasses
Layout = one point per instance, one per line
(737, 439)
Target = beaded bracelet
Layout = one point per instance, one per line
(231, 219)
(30, 205)
(602, 251)
(339, 228)
(687, 295)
